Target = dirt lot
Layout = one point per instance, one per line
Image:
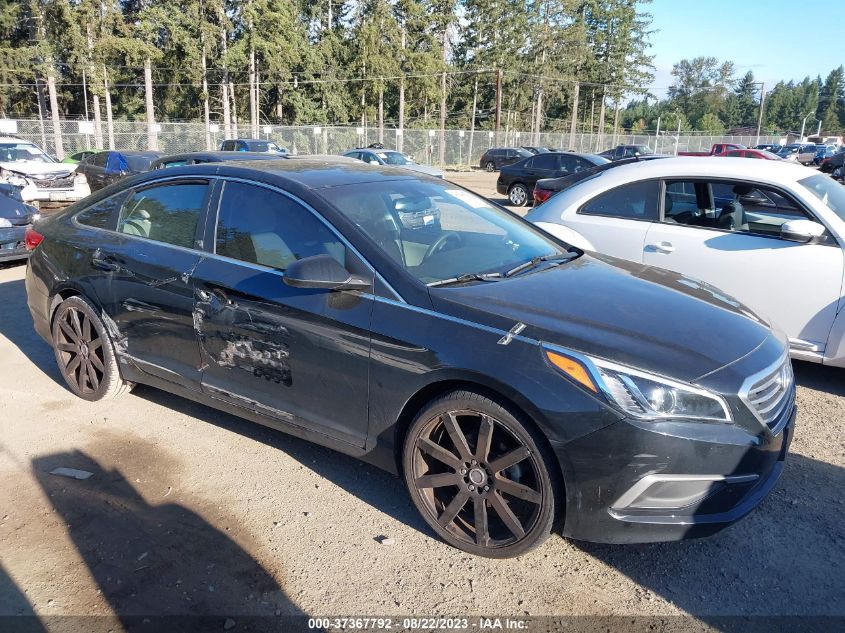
(192, 511)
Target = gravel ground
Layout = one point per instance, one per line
(192, 511)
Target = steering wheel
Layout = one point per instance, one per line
(441, 242)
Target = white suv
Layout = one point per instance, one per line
(43, 182)
(770, 233)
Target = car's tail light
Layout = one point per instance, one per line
(32, 238)
(541, 195)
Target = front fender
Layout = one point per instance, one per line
(565, 234)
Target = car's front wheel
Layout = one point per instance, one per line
(479, 477)
(84, 351)
(518, 195)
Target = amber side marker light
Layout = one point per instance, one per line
(573, 369)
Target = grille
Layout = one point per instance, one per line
(770, 396)
(54, 182)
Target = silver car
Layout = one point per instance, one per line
(391, 158)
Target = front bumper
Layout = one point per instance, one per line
(12, 244)
(46, 199)
(638, 482)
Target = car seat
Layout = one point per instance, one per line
(137, 223)
(732, 216)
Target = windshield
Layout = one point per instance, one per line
(437, 231)
(20, 152)
(140, 162)
(265, 146)
(644, 149)
(826, 189)
(395, 158)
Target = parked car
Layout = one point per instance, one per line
(626, 151)
(15, 217)
(517, 181)
(251, 145)
(477, 362)
(391, 158)
(717, 149)
(547, 187)
(537, 150)
(751, 153)
(822, 152)
(43, 182)
(804, 154)
(769, 234)
(774, 148)
(497, 157)
(104, 168)
(832, 163)
(73, 159)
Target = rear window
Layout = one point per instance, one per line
(139, 162)
(634, 201)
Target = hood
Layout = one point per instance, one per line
(629, 313)
(423, 169)
(37, 168)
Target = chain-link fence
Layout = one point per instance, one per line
(461, 147)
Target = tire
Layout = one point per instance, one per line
(84, 352)
(490, 166)
(495, 498)
(518, 195)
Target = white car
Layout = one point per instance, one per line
(376, 156)
(42, 181)
(769, 233)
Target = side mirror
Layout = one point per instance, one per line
(802, 231)
(323, 272)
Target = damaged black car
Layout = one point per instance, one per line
(519, 386)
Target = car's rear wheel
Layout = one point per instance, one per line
(518, 194)
(478, 476)
(84, 352)
(490, 166)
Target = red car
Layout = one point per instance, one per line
(752, 153)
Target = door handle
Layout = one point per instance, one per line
(104, 263)
(662, 247)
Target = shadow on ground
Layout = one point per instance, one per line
(161, 559)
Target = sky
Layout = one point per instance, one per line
(775, 39)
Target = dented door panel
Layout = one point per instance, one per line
(150, 307)
(294, 355)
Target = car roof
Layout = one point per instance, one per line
(702, 167)
(308, 172)
(137, 152)
(219, 156)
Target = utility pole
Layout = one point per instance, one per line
(760, 118)
(152, 136)
(573, 127)
(498, 103)
(472, 119)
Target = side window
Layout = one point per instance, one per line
(545, 161)
(100, 158)
(165, 213)
(227, 146)
(730, 206)
(264, 227)
(103, 214)
(635, 201)
(242, 147)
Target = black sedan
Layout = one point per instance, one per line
(545, 188)
(15, 217)
(497, 157)
(105, 168)
(831, 163)
(517, 181)
(514, 382)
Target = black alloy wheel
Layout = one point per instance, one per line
(84, 352)
(478, 478)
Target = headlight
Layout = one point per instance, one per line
(4, 223)
(641, 394)
(13, 178)
(81, 179)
